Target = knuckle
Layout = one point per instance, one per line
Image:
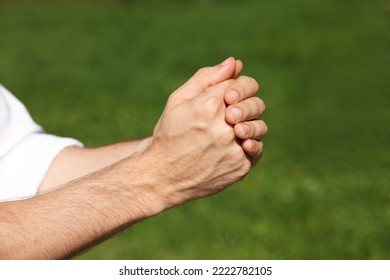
(260, 103)
(211, 106)
(239, 130)
(250, 131)
(204, 71)
(264, 128)
(250, 82)
(241, 164)
(256, 149)
(257, 153)
(255, 84)
(253, 109)
(247, 166)
(172, 98)
(244, 170)
(237, 153)
(260, 148)
(205, 108)
(252, 148)
(225, 135)
(227, 83)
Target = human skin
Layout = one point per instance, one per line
(193, 154)
(244, 110)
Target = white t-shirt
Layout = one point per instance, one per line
(26, 152)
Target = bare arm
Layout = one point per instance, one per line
(193, 154)
(76, 162)
(62, 223)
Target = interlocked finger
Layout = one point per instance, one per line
(251, 130)
(243, 88)
(247, 110)
(253, 149)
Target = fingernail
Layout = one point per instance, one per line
(236, 113)
(233, 96)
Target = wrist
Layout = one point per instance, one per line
(143, 183)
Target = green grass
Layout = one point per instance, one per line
(101, 71)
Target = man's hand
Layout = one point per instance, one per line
(244, 107)
(193, 142)
(194, 153)
(75, 162)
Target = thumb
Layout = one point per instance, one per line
(208, 76)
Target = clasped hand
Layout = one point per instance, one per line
(209, 135)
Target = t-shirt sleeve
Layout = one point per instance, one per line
(26, 151)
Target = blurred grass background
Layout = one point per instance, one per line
(101, 71)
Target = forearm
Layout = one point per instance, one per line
(66, 221)
(76, 162)
(194, 153)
